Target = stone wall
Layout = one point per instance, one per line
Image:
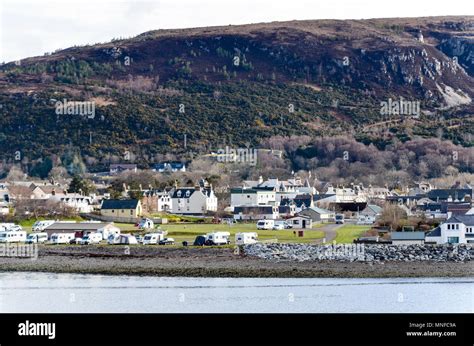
(359, 252)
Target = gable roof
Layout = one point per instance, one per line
(320, 210)
(468, 220)
(185, 192)
(436, 232)
(119, 204)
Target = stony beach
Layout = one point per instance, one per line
(262, 260)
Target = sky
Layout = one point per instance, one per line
(34, 27)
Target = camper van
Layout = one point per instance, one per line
(62, 238)
(265, 224)
(91, 238)
(153, 238)
(339, 219)
(36, 238)
(246, 238)
(146, 224)
(4, 226)
(39, 226)
(12, 236)
(218, 238)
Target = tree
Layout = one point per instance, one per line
(80, 185)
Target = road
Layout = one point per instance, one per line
(329, 231)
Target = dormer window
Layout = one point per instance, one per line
(179, 193)
(187, 193)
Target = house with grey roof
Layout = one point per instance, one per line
(318, 214)
(458, 229)
(196, 200)
(407, 238)
(369, 215)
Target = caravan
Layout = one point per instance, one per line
(153, 238)
(246, 238)
(12, 236)
(146, 224)
(126, 239)
(62, 238)
(218, 238)
(265, 224)
(91, 238)
(36, 238)
(39, 226)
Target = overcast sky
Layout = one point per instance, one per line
(33, 27)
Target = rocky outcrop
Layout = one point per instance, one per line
(359, 252)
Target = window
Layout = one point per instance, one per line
(453, 240)
(112, 210)
(131, 212)
(187, 193)
(457, 226)
(179, 194)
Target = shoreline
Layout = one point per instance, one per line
(213, 262)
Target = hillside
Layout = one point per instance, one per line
(238, 85)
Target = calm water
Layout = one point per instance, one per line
(44, 292)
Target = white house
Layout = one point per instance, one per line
(408, 238)
(254, 196)
(83, 204)
(300, 221)
(256, 212)
(193, 200)
(457, 229)
(318, 214)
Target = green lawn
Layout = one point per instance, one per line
(347, 233)
(189, 232)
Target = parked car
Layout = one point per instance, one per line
(339, 218)
(166, 241)
(75, 241)
(139, 239)
(279, 226)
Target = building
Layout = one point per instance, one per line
(369, 215)
(256, 212)
(196, 200)
(458, 229)
(80, 229)
(156, 201)
(300, 221)
(170, 167)
(117, 168)
(318, 214)
(408, 238)
(121, 208)
(80, 203)
(252, 196)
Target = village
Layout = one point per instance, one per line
(269, 209)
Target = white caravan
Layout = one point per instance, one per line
(218, 238)
(62, 238)
(12, 236)
(265, 224)
(91, 238)
(4, 226)
(39, 226)
(246, 238)
(35, 238)
(153, 238)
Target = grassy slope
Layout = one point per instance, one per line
(347, 233)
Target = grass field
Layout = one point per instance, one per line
(347, 233)
(189, 232)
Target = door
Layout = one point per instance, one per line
(304, 223)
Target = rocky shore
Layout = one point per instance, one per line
(360, 252)
(227, 262)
